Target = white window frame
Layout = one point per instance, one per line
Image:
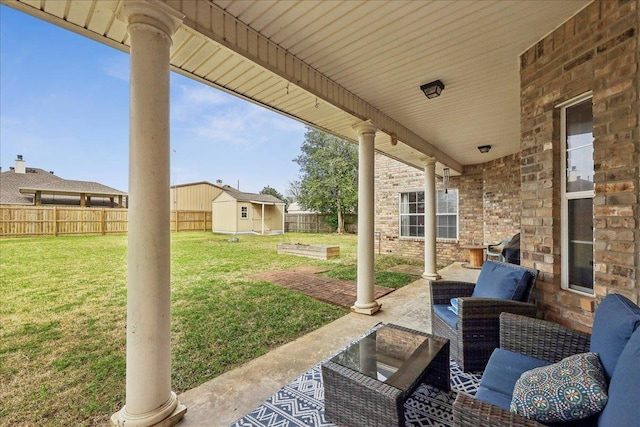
(448, 239)
(565, 197)
(400, 214)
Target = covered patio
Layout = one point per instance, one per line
(227, 398)
(506, 70)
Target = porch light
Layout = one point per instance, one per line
(433, 89)
(484, 148)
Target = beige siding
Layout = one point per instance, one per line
(246, 225)
(193, 197)
(224, 214)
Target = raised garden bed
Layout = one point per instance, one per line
(309, 251)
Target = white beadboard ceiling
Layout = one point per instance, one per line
(333, 63)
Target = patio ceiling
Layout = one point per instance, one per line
(333, 63)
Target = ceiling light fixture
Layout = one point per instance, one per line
(433, 89)
(484, 148)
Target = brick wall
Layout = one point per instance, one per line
(596, 50)
(489, 206)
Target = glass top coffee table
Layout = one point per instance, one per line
(368, 382)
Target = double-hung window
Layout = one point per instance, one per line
(577, 194)
(412, 214)
(244, 212)
(447, 214)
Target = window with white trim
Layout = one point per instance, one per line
(244, 212)
(577, 194)
(412, 214)
(447, 214)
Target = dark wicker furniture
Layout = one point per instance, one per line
(533, 337)
(477, 331)
(361, 387)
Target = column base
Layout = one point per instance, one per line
(368, 309)
(122, 418)
(431, 276)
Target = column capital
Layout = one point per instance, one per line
(365, 127)
(157, 14)
(429, 161)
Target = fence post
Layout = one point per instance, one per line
(55, 221)
(103, 225)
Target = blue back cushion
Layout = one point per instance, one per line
(615, 320)
(443, 312)
(503, 281)
(623, 408)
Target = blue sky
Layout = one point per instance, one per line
(64, 105)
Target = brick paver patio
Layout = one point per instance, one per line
(308, 281)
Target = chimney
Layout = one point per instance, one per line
(20, 165)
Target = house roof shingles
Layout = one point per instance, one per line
(35, 179)
(251, 197)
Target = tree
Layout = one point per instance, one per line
(293, 191)
(329, 175)
(273, 192)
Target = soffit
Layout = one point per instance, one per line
(356, 60)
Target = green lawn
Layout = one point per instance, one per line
(63, 316)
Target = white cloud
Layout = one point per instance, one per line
(117, 66)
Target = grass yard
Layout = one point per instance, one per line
(63, 316)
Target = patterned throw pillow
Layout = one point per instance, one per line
(571, 389)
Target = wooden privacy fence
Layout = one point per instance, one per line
(191, 221)
(68, 220)
(316, 223)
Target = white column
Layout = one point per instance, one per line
(430, 267)
(365, 299)
(149, 399)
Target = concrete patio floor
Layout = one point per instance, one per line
(233, 394)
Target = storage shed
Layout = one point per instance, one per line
(236, 212)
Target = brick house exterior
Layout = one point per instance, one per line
(596, 50)
(489, 206)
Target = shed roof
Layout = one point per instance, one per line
(251, 197)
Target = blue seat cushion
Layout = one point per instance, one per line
(623, 408)
(448, 316)
(615, 321)
(504, 368)
(493, 397)
(503, 281)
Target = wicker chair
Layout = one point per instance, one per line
(477, 331)
(533, 337)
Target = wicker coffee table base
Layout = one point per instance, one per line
(354, 399)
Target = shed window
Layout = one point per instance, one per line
(244, 212)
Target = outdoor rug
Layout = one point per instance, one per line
(301, 403)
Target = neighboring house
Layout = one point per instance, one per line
(295, 208)
(21, 185)
(195, 196)
(236, 212)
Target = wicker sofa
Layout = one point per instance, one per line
(533, 342)
(474, 331)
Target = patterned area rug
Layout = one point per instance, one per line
(301, 403)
